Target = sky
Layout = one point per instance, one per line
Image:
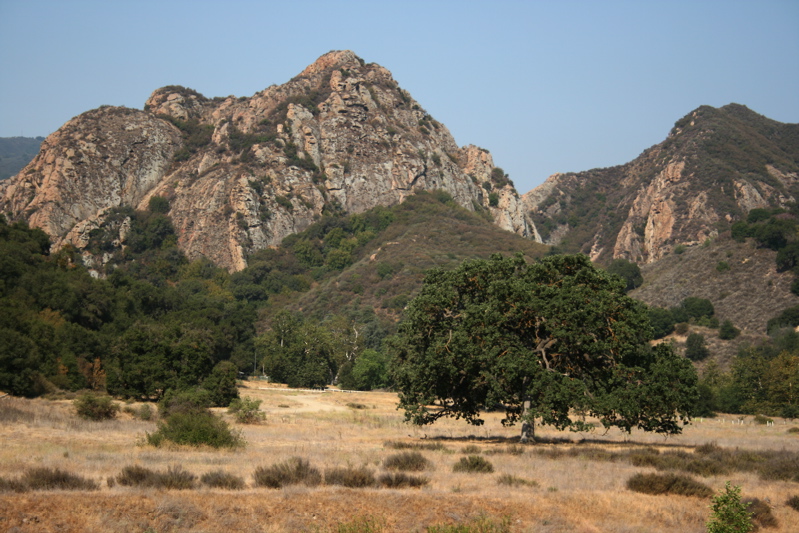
(545, 86)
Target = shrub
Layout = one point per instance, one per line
(222, 480)
(295, 471)
(43, 478)
(482, 524)
(729, 514)
(695, 348)
(350, 477)
(145, 412)
(406, 462)
(473, 464)
(513, 481)
(198, 428)
(668, 484)
(174, 478)
(471, 449)
(793, 502)
(493, 199)
(727, 331)
(246, 411)
(760, 512)
(93, 407)
(793, 430)
(398, 480)
(762, 420)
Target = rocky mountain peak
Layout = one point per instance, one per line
(715, 165)
(242, 173)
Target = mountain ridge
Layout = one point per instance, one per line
(714, 166)
(243, 173)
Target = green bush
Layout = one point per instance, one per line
(728, 513)
(195, 428)
(695, 348)
(350, 477)
(247, 411)
(493, 199)
(295, 471)
(406, 462)
(473, 464)
(728, 331)
(668, 484)
(219, 479)
(93, 407)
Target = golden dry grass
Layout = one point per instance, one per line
(337, 429)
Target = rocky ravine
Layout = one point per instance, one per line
(243, 173)
(715, 165)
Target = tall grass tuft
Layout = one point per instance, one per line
(294, 471)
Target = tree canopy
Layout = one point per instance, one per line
(558, 336)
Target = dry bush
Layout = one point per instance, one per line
(406, 462)
(793, 502)
(513, 449)
(9, 413)
(668, 484)
(350, 477)
(473, 464)
(761, 512)
(174, 478)
(471, 449)
(219, 479)
(43, 478)
(294, 471)
(399, 480)
(792, 430)
(430, 446)
(513, 481)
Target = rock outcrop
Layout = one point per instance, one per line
(243, 173)
(716, 165)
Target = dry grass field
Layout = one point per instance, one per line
(566, 482)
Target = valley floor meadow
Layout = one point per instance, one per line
(566, 482)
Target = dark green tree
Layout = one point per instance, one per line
(627, 271)
(695, 348)
(552, 340)
(728, 331)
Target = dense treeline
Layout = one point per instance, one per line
(157, 323)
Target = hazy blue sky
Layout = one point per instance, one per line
(545, 86)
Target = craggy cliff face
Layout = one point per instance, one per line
(243, 173)
(716, 165)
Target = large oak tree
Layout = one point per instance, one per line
(554, 341)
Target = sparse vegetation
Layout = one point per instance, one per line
(46, 478)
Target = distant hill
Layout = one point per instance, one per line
(715, 165)
(16, 152)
